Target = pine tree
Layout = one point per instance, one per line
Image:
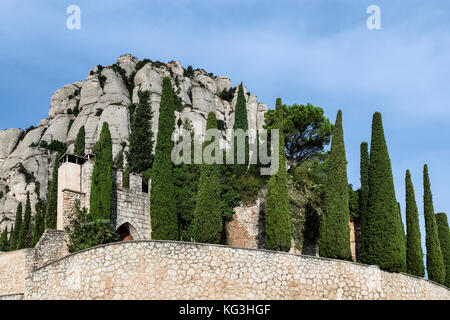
(207, 222)
(162, 200)
(241, 122)
(39, 222)
(414, 253)
(139, 154)
(383, 237)
(14, 243)
(101, 186)
(80, 143)
(4, 245)
(278, 224)
(334, 239)
(444, 241)
(435, 261)
(25, 228)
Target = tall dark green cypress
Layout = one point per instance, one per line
(383, 236)
(278, 224)
(39, 223)
(101, 186)
(334, 241)
(162, 197)
(364, 193)
(25, 228)
(139, 155)
(80, 143)
(241, 122)
(444, 241)
(414, 253)
(4, 245)
(207, 222)
(52, 196)
(14, 243)
(435, 261)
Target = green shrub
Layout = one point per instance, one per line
(85, 233)
(189, 72)
(80, 142)
(29, 176)
(227, 94)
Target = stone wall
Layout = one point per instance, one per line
(177, 270)
(132, 206)
(247, 229)
(51, 246)
(12, 272)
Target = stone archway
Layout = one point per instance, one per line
(127, 232)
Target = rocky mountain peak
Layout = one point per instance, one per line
(26, 161)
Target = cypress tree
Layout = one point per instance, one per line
(39, 223)
(414, 253)
(207, 222)
(186, 188)
(162, 200)
(278, 224)
(14, 243)
(101, 187)
(52, 196)
(80, 143)
(334, 239)
(364, 192)
(4, 245)
(444, 241)
(383, 237)
(435, 261)
(241, 122)
(139, 154)
(10, 242)
(25, 231)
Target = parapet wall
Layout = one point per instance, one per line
(178, 270)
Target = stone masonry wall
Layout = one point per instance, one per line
(51, 246)
(12, 272)
(247, 229)
(131, 205)
(177, 270)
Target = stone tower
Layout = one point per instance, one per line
(130, 214)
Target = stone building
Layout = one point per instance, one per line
(130, 206)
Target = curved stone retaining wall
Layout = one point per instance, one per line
(177, 270)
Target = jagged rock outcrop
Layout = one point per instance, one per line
(104, 96)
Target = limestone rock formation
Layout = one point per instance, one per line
(104, 96)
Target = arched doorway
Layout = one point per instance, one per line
(127, 232)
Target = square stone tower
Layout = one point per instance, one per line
(130, 214)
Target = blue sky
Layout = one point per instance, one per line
(302, 51)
